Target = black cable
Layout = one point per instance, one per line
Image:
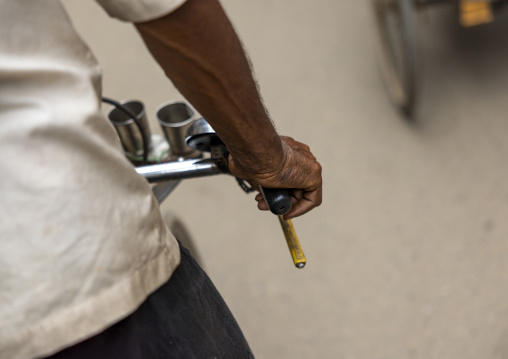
(140, 127)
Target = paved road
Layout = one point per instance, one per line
(408, 256)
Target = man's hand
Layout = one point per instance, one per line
(200, 52)
(297, 170)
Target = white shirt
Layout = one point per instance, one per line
(82, 242)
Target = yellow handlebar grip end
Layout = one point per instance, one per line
(293, 243)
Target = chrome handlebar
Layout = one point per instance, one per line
(179, 170)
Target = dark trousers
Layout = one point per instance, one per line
(185, 318)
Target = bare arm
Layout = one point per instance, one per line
(200, 52)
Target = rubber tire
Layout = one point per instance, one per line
(399, 75)
(181, 233)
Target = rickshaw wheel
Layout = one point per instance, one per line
(395, 22)
(181, 233)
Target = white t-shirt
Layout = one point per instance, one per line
(82, 242)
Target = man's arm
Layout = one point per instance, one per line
(200, 52)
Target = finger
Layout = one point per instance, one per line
(263, 206)
(300, 209)
(309, 201)
(294, 201)
(261, 202)
(297, 194)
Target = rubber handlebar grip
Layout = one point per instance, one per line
(277, 199)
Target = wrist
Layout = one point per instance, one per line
(259, 156)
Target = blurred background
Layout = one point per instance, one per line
(408, 255)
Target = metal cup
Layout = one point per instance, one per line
(175, 119)
(130, 136)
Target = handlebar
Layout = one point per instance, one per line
(187, 162)
(278, 200)
(179, 170)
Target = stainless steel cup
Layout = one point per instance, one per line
(175, 119)
(130, 136)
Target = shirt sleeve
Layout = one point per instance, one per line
(139, 10)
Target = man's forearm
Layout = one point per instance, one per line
(201, 54)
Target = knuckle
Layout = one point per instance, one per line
(317, 168)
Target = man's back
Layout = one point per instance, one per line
(78, 227)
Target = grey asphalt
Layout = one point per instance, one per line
(408, 255)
